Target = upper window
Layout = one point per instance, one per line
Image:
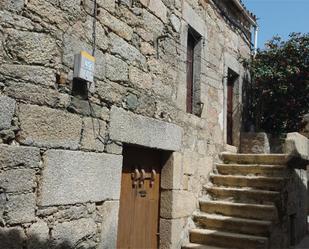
(194, 48)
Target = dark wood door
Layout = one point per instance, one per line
(230, 94)
(190, 63)
(138, 226)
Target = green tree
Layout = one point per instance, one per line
(279, 94)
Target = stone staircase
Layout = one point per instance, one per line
(243, 203)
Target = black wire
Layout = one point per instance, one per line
(184, 61)
(98, 135)
(177, 45)
(94, 27)
(92, 112)
(183, 49)
(235, 23)
(176, 58)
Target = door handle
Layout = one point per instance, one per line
(142, 178)
(135, 177)
(153, 177)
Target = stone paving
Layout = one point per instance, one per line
(304, 244)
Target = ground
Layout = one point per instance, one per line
(304, 244)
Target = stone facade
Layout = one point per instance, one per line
(255, 143)
(61, 154)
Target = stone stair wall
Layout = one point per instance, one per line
(305, 126)
(261, 142)
(254, 201)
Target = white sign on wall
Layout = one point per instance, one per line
(84, 64)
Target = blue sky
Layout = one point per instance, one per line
(279, 17)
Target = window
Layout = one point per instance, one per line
(194, 48)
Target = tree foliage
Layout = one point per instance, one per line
(279, 94)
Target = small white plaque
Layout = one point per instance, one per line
(84, 64)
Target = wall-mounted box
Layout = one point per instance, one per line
(84, 64)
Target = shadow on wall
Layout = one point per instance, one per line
(15, 238)
(295, 195)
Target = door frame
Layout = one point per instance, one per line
(166, 176)
(230, 63)
(232, 78)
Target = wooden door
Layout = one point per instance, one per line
(138, 226)
(230, 94)
(190, 64)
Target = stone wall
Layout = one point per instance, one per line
(305, 126)
(296, 188)
(292, 225)
(257, 143)
(61, 154)
(261, 142)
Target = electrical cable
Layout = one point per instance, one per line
(177, 45)
(233, 22)
(97, 136)
(183, 49)
(94, 27)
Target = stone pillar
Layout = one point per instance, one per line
(305, 126)
(254, 143)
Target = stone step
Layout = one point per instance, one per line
(200, 246)
(252, 169)
(228, 240)
(243, 195)
(259, 182)
(266, 159)
(241, 210)
(232, 224)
